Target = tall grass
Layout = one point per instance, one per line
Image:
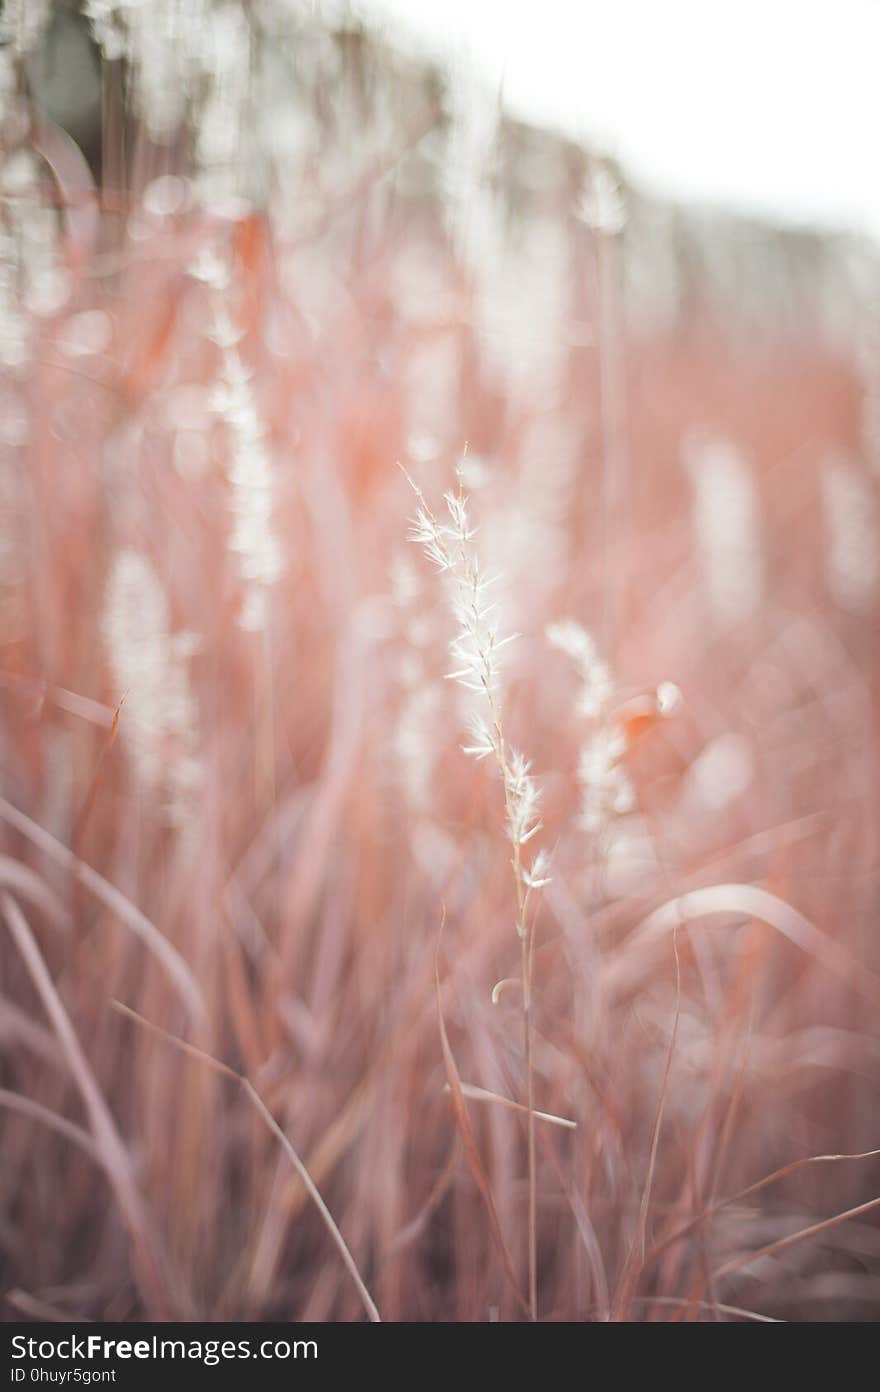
(235, 801)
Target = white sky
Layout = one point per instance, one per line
(772, 106)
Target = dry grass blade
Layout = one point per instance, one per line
(333, 1144)
(166, 955)
(472, 1154)
(26, 1106)
(439, 1188)
(478, 1094)
(749, 1190)
(711, 1305)
(636, 1259)
(92, 795)
(746, 901)
(25, 884)
(94, 712)
(783, 1243)
(147, 1261)
(16, 1026)
(588, 1237)
(263, 1111)
(661, 1103)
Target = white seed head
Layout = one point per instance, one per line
(606, 790)
(149, 667)
(536, 876)
(475, 650)
(596, 685)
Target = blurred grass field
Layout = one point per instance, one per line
(234, 797)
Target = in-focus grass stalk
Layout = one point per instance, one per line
(476, 647)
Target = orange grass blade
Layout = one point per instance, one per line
(92, 795)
